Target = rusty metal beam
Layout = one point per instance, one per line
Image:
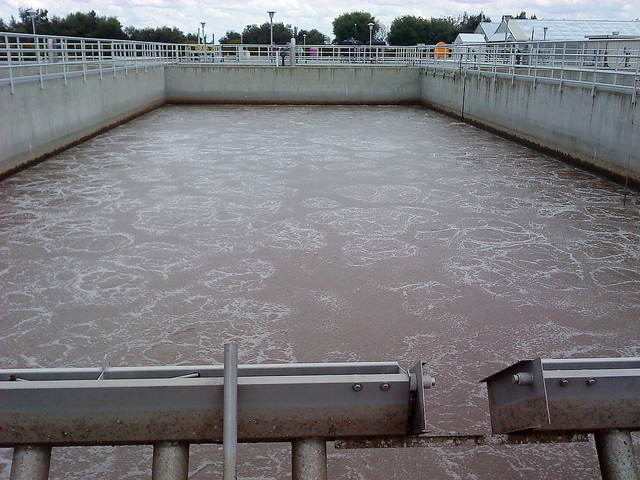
(185, 404)
(462, 440)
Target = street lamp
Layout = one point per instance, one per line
(371, 25)
(304, 39)
(271, 21)
(271, 12)
(33, 14)
(203, 37)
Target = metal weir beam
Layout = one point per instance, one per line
(185, 404)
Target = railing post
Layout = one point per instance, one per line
(170, 461)
(30, 462)
(230, 411)
(309, 459)
(615, 454)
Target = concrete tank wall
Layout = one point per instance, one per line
(43, 121)
(292, 85)
(598, 130)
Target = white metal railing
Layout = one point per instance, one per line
(36, 58)
(608, 63)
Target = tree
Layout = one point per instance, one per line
(314, 37)
(87, 25)
(160, 34)
(25, 25)
(230, 37)
(442, 30)
(354, 25)
(468, 23)
(410, 30)
(261, 34)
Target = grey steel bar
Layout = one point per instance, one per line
(170, 461)
(30, 462)
(230, 411)
(615, 454)
(309, 459)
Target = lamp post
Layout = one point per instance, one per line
(271, 34)
(371, 25)
(203, 37)
(32, 14)
(304, 39)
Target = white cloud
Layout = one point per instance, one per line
(225, 15)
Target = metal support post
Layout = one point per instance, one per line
(309, 459)
(615, 454)
(170, 461)
(230, 411)
(30, 462)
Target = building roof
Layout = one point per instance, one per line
(561, 30)
(464, 38)
(487, 29)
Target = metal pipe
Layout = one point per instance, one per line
(615, 454)
(170, 461)
(309, 459)
(30, 462)
(230, 411)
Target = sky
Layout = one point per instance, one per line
(221, 16)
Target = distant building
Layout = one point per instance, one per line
(467, 38)
(487, 29)
(524, 30)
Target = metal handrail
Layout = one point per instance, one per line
(608, 63)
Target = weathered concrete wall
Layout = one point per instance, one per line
(292, 85)
(599, 131)
(36, 122)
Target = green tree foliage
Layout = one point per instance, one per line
(523, 16)
(24, 25)
(161, 34)
(468, 23)
(88, 25)
(281, 35)
(354, 25)
(230, 37)
(314, 37)
(410, 30)
(261, 34)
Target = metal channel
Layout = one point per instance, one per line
(230, 426)
(277, 403)
(566, 395)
